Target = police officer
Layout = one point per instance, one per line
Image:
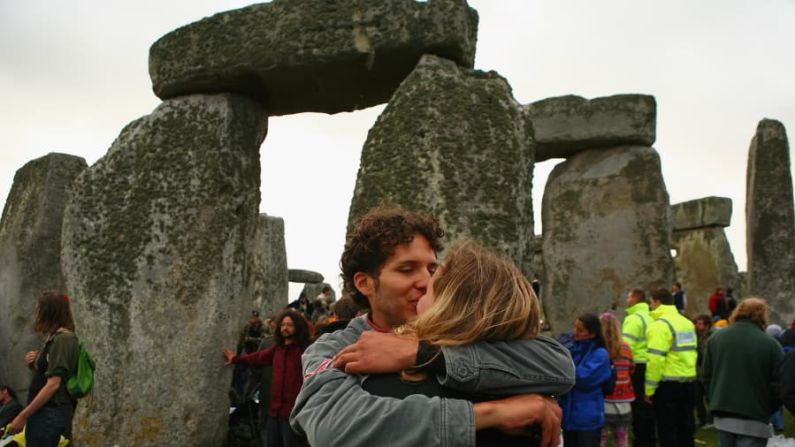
(633, 331)
(671, 371)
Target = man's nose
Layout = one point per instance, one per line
(422, 280)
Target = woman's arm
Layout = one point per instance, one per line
(44, 396)
(512, 414)
(541, 365)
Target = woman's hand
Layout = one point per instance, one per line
(30, 357)
(228, 355)
(514, 413)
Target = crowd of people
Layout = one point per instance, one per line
(671, 374)
(422, 353)
(454, 351)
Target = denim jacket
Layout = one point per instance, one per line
(333, 409)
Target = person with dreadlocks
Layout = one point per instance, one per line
(291, 337)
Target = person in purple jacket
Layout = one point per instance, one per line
(584, 406)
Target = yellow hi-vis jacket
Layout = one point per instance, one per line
(671, 348)
(634, 329)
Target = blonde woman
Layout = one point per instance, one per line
(618, 410)
(475, 295)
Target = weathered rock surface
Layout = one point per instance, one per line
(566, 125)
(606, 228)
(770, 220)
(155, 248)
(537, 262)
(30, 256)
(270, 266)
(742, 285)
(312, 55)
(702, 213)
(704, 262)
(453, 142)
(307, 276)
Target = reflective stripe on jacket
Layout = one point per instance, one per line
(672, 348)
(634, 329)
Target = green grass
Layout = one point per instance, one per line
(708, 437)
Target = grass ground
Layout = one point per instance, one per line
(708, 437)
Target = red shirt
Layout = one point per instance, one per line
(287, 374)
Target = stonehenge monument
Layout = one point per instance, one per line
(454, 142)
(162, 246)
(30, 256)
(605, 217)
(156, 242)
(566, 125)
(312, 55)
(269, 269)
(770, 220)
(704, 259)
(606, 230)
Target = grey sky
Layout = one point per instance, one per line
(72, 74)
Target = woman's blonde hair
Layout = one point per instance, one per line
(478, 295)
(611, 332)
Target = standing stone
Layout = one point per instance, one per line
(155, 248)
(312, 55)
(30, 256)
(704, 260)
(742, 285)
(454, 143)
(770, 220)
(606, 229)
(566, 125)
(537, 259)
(270, 266)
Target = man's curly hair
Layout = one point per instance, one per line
(374, 238)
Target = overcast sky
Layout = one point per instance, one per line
(73, 74)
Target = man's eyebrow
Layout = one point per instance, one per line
(413, 262)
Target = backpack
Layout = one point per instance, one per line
(81, 383)
(610, 385)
